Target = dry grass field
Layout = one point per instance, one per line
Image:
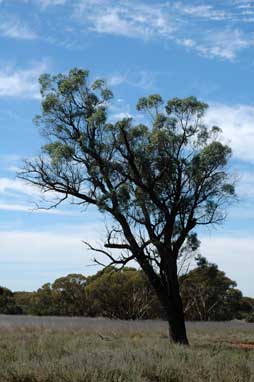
(57, 349)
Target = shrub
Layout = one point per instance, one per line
(250, 317)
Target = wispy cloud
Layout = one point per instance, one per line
(143, 79)
(202, 11)
(47, 3)
(244, 3)
(137, 20)
(214, 30)
(12, 27)
(27, 208)
(199, 27)
(21, 83)
(8, 185)
(117, 79)
(224, 43)
(20, 196)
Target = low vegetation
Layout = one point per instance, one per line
(92, 350)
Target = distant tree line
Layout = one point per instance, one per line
(207, 293)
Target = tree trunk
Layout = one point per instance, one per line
(177, 329)
(172, 303)
(166, 287)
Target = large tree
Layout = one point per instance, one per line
(157, 180)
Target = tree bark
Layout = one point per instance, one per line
(177, 329)
(171, 301)
(166, 287)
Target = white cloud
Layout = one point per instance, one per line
(137, 20)
(20, 196)
(224, 44)
(8, 185)
(30, 256)
(34, 246)
(30, 209)
(121, 115)
(245, 185)
(202, 11)
(21, 83)
(46, 3)
(117, 79)
(13, 28)
(244, 3)
(138, 78)
(174, 21)
(42, 3)
(234, 255)
(187, 42)
(237, 122)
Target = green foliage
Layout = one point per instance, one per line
(43, 301)
(69, 294)
(158, 181)
(178, 162)
(126, 294)
(25, 301)
(122, 294)
(7, 302)
(150, 102)
(65, 297)
(186, 106)
(250, 318)
(208, 294)
(58, 152)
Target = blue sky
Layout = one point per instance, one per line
(176, 48)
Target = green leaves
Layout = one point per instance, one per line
(98, 117)
(228, 189)
(152, 101)
(215, 154)
(58, 152)
(190, 106)
(49, 103)
(165, 176)
(208, 294)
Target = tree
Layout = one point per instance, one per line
(43, 302)
(70, 295)
(24, 300)
(208, 294)
(7, 302)
(123, 294)
(158, 181)
(66, 296)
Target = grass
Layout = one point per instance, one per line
(97, 350)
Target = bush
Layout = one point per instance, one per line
(250, 317)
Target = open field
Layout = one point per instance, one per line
(49, 349)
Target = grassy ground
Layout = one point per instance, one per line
(89, 350)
